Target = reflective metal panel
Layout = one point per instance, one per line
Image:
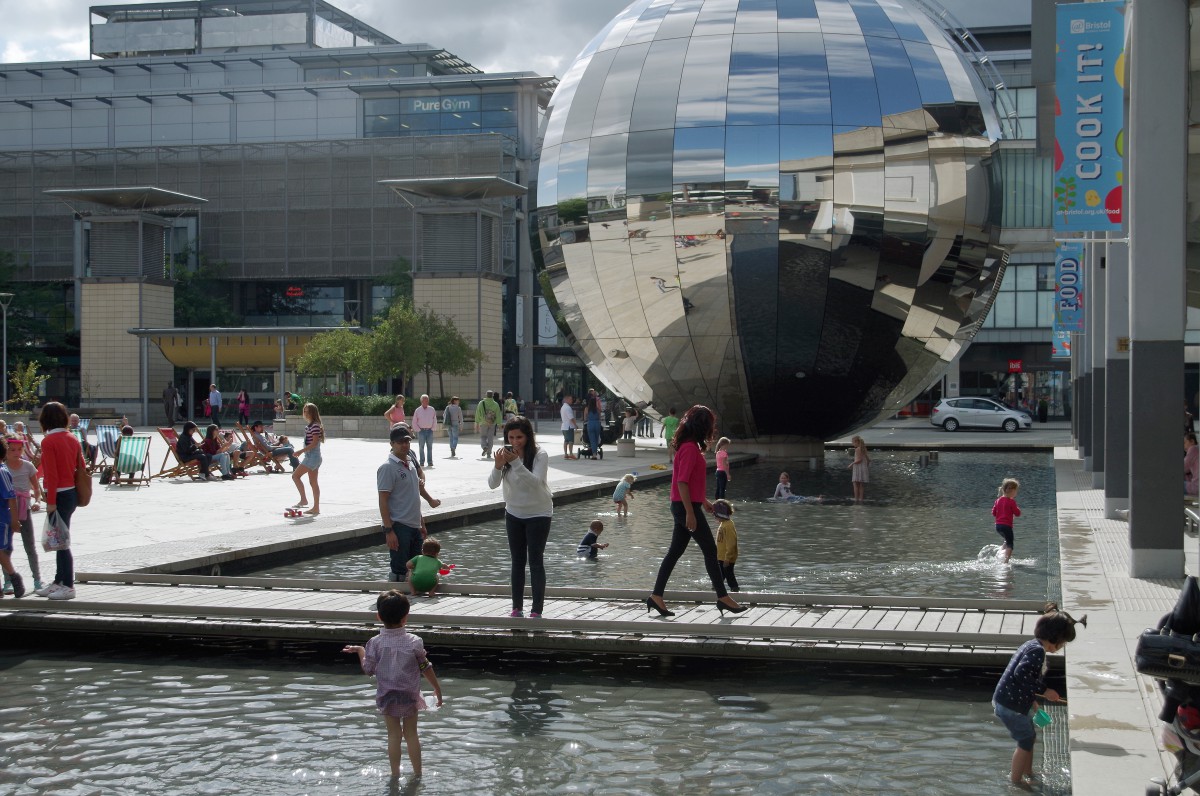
(777, 209)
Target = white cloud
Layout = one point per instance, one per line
(541, 36)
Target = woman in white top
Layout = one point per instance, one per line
(521, 466)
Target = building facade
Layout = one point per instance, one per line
(285, 118)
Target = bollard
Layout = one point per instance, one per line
(923, 460)
(814, 463)
(625, 448)
(933, 456)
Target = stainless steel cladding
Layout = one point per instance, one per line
(778, 209)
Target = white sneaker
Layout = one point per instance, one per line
(63, 593)
(47, 590)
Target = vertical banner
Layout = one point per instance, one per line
(1068, 297)
(1089, 121)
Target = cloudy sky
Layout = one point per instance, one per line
(495, 35)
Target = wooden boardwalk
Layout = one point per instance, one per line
(929, 631)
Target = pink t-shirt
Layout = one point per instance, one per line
(723, 461)
(1004, 509)
(691, 468)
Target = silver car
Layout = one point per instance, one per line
(953, 413)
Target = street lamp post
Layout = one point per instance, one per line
(5, 300)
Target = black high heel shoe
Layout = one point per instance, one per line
(722, 608)
(661, 611)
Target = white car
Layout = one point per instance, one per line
(953, 413)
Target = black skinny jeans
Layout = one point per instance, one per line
(680, 536)
(64, 561)
(527, 542)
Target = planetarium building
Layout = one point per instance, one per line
(780, 210)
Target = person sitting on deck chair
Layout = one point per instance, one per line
(275, 452)
(89, 450)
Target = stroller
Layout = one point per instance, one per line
(1177, 674)
(586, 451)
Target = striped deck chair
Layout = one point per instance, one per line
(81, 435)
(106, 441)
(132, 460)
(191, 469)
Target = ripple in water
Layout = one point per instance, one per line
(919, 534)
(156, 719)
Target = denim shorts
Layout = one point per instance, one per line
(1019, 725)
(311, 460)
(569, 436)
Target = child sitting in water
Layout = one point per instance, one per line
(424, 570)
(590, 544)
(624, 493)
(784, 488)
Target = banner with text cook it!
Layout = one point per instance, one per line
(1089, 119)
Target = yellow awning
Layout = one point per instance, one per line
(256, 347)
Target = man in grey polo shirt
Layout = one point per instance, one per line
(399, 483)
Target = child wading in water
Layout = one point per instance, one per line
(722, 467)
(1004, 510)
(727, 546)
(590, 544)
(424, 570)
(397, 659)
(1021, 686)
(624, 493)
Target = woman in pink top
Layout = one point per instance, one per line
(695, 433)
(722, 467)
(395, 412)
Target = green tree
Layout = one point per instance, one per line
(397, 346)
(202, 296)
(342, 352)
(572, 211)
(27, 384)
(446, 350)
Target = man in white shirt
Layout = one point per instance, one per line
(568, 427)
(424, 422)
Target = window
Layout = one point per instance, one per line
(1026, 298)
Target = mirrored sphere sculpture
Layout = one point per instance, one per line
(778, 208)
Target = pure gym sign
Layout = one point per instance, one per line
(1089, 119)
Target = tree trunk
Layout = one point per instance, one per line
(441, 386)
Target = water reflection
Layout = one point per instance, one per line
(153, 718)
(920, 533)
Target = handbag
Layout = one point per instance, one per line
(106, 476)
(83, 485)
(1167, 655)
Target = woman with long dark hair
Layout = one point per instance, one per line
(61, 457)
(521, 466)
(696, 432)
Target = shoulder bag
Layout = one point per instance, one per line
(83, 484)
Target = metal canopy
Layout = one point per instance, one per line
(128, 198)
(484, 187)
(261, 347)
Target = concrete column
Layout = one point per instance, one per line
(1116, 380)
(1077, 389)
(1083, 400)
(1096, 351)
(1156, 203)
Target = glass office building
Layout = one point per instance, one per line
(284, 117)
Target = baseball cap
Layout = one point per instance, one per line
(400, 434)
(256, 424)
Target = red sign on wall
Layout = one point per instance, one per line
(294, 292)
(1014, 366)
